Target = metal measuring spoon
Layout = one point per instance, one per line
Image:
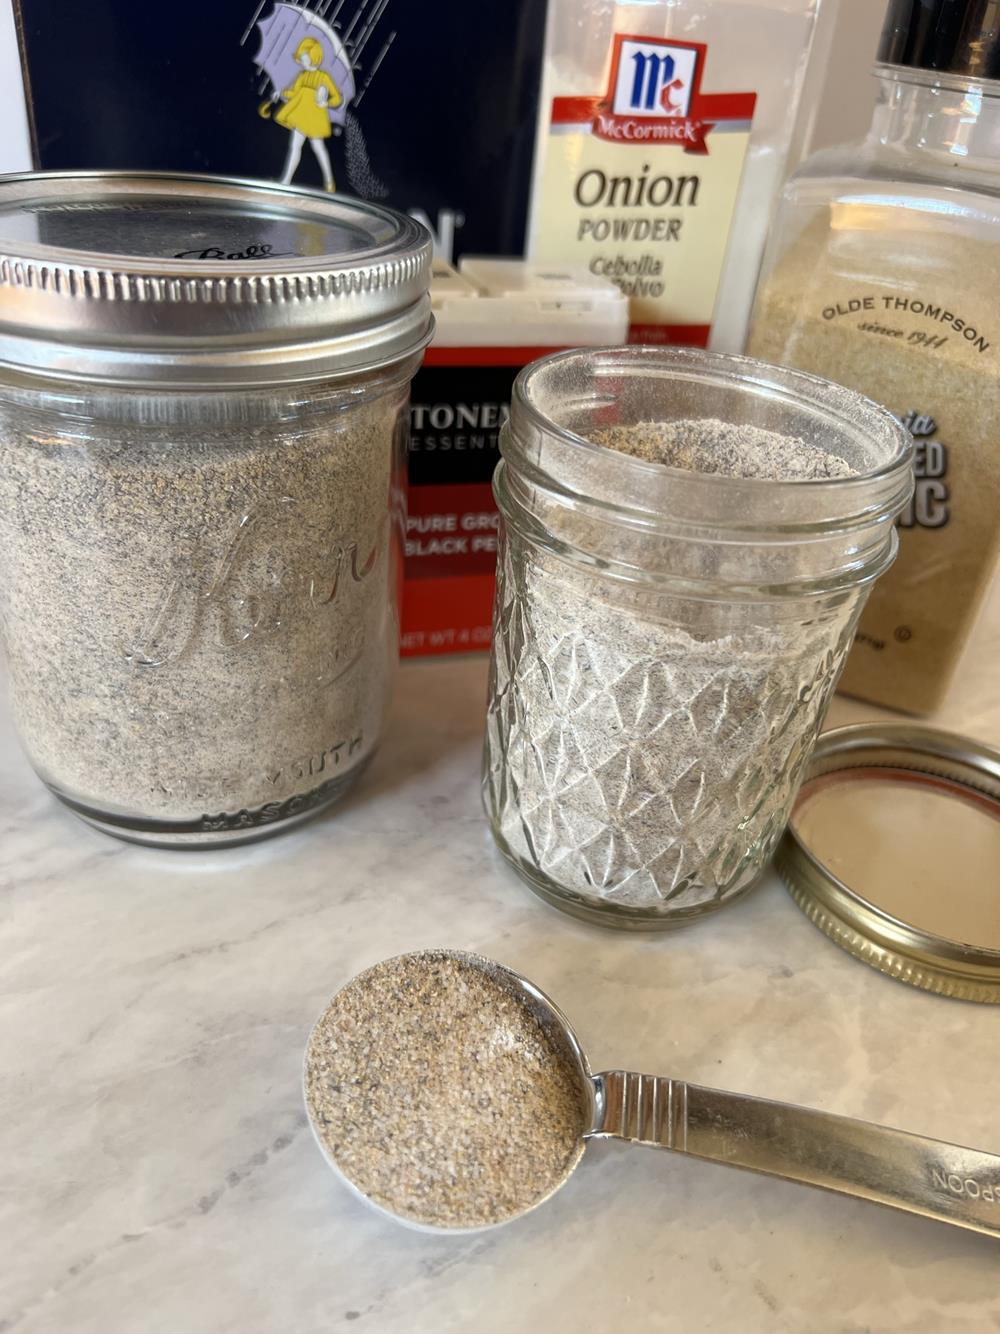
(921, 1176)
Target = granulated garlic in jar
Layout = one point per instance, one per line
(882, 273)
(833, 306)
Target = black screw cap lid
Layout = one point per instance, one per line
(948, 36)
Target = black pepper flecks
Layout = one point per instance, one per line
(440, 1093)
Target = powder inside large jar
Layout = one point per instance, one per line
(194, 600)
(708, 445)
(441, 1094)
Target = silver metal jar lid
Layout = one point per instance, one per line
(157, 278)
(893, 850)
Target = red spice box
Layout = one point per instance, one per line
(493, 317)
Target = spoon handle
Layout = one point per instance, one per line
(922, 1176)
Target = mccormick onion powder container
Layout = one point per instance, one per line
(664, 134)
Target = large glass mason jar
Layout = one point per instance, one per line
(666, 640)
(203, 414)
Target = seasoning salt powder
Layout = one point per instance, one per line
(720, 449)
(440, 1094)
(224, 654)
(202, 443)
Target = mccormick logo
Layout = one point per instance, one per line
(653, 79)
(654, 97)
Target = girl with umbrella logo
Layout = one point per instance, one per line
(305, 111)
(304, 59)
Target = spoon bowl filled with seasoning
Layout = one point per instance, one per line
(447, 1090)
(450, 1093)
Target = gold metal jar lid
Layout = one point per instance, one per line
(893, 850)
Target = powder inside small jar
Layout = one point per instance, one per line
(644, 744)
(708, 445)
(441, 1093)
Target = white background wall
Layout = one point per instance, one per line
(848, 94)
(15, 148)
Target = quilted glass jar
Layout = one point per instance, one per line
(666, 641)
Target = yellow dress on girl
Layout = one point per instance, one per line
(302, 111)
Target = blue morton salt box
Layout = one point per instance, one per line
(428, 107)
(431, 106)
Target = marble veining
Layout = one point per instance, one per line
(156, 1174)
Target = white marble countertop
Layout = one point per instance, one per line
(156, 1172)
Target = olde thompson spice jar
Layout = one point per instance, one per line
(883, 273)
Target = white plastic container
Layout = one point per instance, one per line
(515, 303)
(492, 317)
(664, 133)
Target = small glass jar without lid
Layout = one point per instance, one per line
(665, 641)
